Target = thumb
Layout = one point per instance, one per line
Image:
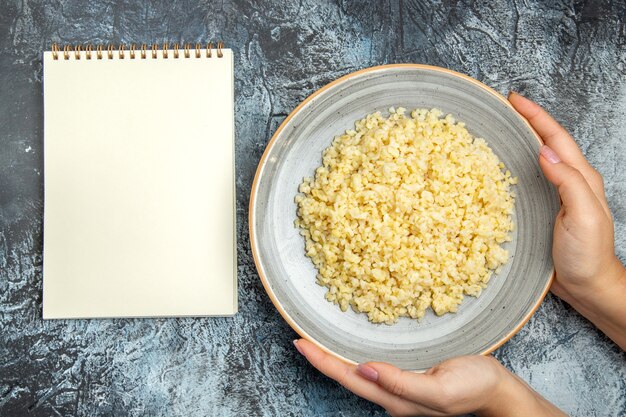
(577, 196)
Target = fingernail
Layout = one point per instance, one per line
(512, 93)
(295, 343)
(549, 154)
(367, 372)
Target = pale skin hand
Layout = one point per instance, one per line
(476, 384)
(588, 276)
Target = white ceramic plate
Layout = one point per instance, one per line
(481, 324)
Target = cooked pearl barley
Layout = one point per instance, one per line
(404, 214)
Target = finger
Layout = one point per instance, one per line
(578, 198)
(417, 387)
(557, 138)
(347, 376)
(552, 133)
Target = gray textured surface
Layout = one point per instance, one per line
(570, 57)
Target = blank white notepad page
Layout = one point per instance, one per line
(139, 197)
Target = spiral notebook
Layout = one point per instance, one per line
(139, 217)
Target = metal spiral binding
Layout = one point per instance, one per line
(110, 51)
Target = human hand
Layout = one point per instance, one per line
(588, 274)
(477, 384)
(583, 231)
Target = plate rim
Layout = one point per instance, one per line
(262, 162)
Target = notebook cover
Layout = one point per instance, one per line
(139, 215)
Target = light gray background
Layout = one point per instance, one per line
(569, 56)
